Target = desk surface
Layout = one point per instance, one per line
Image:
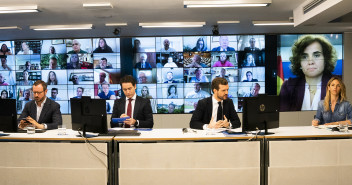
(306, 132)
(52, 135)
(178, 135)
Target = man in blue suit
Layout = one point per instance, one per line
(42, 112)
(224, 45)
(137, 108)
(143, 64)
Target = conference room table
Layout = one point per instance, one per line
(308, 155)
(49, 158)
(171, 156)
(292, 155)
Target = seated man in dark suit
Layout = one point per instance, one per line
(143, 64)
(216, 111)
(42, 112)
(137, 108)
(224, 45)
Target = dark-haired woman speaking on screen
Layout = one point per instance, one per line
(334, 109)
(313, 61)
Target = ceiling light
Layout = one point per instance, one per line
(116, 24)
(172, 24)
(228, 3)
(10, 27)
(19, 9)
(97, 5)
(272, 23)
(63, 27)
(228, 22)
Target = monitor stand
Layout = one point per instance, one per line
(84, 133)
(265, 130)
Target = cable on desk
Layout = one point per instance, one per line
(89, 143)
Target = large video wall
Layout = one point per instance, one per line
(71, 68)
(175, 72)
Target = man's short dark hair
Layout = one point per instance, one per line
(55, 89)
(217, 81)
(40, 82)
(72, 78)
(249, 72)
(128, 79)
(81, 88)
(104, 59)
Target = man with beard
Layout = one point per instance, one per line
(216, 111)
(42, 112)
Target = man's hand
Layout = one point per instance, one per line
(23, 124)
(213, 124)
(35, 123)
(225, 122)
(124, 115)
(130, 121)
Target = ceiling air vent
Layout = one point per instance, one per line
(310, 6)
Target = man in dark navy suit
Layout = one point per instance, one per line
(216, 111)
(42, 112)
(224, 45)
(137, 108)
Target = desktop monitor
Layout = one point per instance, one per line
(260, 113)
(89, 115)
(8, 115)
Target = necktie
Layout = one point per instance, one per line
(129, 111)
(219, 116)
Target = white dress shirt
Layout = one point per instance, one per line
(39, 111)
(306, 100)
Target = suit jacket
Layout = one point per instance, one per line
(248, 50)
(142, 111)
(50, 115)
(227, 49)
(202, 114)
(139, 65)
(292, 92)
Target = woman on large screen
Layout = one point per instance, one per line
(313, 61)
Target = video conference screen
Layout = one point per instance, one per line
(71, 67)
(176, 72)
(173, 72)
(306, 63)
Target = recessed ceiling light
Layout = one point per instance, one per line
(19, 9)
(172, 24)
(62, 27)
(228, 3)
(10, 27)
(97, 5)
(116, 24)
(228, 22)
(273, 23)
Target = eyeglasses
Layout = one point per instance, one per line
(314, 57)
(38, 92)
